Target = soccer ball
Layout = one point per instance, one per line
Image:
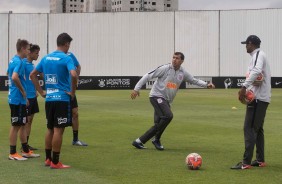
(249, 97)
(193, 161)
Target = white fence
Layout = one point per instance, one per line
(133, 43)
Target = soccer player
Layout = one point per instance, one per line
(74, 106)
(57, 68)
(17, 100)
(31, 91)
(169, 78)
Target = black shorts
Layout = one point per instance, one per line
(18, 114)
(33, 106)
(74, 103)
(58, 114)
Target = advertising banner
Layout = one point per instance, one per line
(129, 82)
(107, 82)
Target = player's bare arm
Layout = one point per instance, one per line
(73, 83)
(16, 79)
(34, 79)
(210, 86)
(134, 94)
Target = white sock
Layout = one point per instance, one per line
(138, 140)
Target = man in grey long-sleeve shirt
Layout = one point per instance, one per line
(169, 78)
(256, 110)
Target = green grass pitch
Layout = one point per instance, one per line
(204, 122)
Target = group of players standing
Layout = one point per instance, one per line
(60, 70)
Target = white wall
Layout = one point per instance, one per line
(117, 44)
(3, 44)
(196, 35)
(236, 26)
(133, 43)
(32, 27)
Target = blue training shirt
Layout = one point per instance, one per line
(56, 67)
(74, 59)
(30, 88)
(16, 65)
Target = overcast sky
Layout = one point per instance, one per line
(42, 6)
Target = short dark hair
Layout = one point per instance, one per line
(181, 55)
(21, 44)
(63, 38)
(34, 47)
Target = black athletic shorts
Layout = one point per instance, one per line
(74, 103)
(58, 114)
(18, 114)
(33, 106)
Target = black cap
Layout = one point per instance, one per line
(253, 39)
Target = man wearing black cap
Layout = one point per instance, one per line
(256, 110)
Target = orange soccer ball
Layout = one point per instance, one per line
(193, 161)
(250, 96)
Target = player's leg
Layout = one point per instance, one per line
(163, 112)
(48, 146)
(32, 109)
(249, 137)
(17, 120)
(50, 117)
(258, 127)
(57, 143)
(62, 119)
(249, 133)
(13, 139)
(162, 118)
(138, 143)
(26, 152)
(75, 124)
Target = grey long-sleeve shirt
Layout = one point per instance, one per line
(263, 91)
(168, 81)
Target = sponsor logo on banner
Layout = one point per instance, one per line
(277, 83)
(51, 79)
(114, 83)
(84, 81)
(7, 82)
(228, 83)
(207, 79)
(150, 84)
(240, 82)
(102, 83)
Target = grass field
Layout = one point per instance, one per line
(109, 121)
